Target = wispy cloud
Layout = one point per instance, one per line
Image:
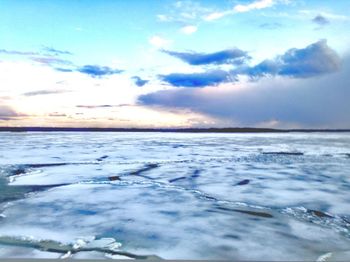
(56, 52)
(101, 106)
(49, 60)
(188, 29)
(98, 71)
(65, 70)
(48, 56)
(93, 106)
(228, 56)
(329, 16)
(188, 13)
(45, 92)
(57, 114)
(241, 8)
(271, 26)
(51, 57)
(209, 78)
(163, 18)
(320, 20)
(217, 15)
(139, 81)
(184, 12)
(159, 42)
(95, 71)
(46, 51)
(16, 52)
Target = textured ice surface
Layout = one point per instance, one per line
(176, 196)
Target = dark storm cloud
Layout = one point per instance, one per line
(229, 56)
(316, 59)
(98, 71)
(320, 102)
(209, 78)
(139, 81)
(320, 20)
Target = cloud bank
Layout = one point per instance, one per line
(300, 102)
(315, 59)
(302, 81)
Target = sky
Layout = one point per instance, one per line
(175, 64)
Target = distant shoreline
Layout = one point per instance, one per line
(166, 130)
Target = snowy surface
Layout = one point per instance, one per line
(175, 196)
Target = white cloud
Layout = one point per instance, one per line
(191, 12)
(159, 42)
(260, 4)
(216, 15)
(189, 29)
(185, 12)
(163, 18)
(335, 16)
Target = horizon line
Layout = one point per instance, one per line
(168, 130)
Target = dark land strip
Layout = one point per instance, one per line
(165, 130)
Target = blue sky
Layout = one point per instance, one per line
(174, 63)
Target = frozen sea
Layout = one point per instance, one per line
(234, 196)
